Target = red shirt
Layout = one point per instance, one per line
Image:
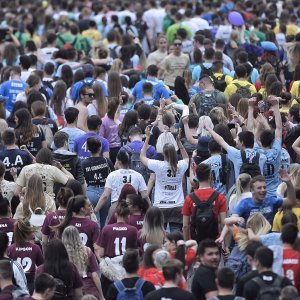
(189, 207)
(291, 266)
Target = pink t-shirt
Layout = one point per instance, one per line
(110, 130)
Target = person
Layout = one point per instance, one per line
(190, 225)
(159, 90)
(28, 134)
(96, 168)
(174, 64)
(204, 282)
(265, 278)
(168, 180)
(156, 57)
(25, 251)
(6, 220)
(131, 280)
(117, 237)
(172, 272)
(49, 171)
(13, 87)
(58, 265)
(12, 156)
(85, 261)
(116, 180)
(208, 97)
(80, 145)
(78, 209)
(7, 187)
(44, 287)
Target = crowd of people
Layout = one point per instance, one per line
(149, 150)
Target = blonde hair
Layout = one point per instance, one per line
(165, 138)
(259, 225)
(76, 250)
(101, 102)
(242, 182)
(294, 172)
(218, 114)
(204, 121)
(117, 66)
(242, 107)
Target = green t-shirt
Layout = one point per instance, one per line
(172, 30)
(22, 38)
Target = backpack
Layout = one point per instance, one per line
(252, 168)
(244, 91)
(134, 293)
(37, 217)
(219, 82)
(206, 102)
(136, 163)
(113, 52)
(206, 71)
(47, 133)
(273, 289)
(237, 261)
(127, 64)
(64, 42)
(203, 222)
(61, 291)
(85, 45)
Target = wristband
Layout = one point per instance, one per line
(243, 124)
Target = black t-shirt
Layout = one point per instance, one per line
(204, 282)
(243, 280)
(173, 293)
(46, 121)
(96, 170)
(251, 288)
(14, 158)
(112, 292)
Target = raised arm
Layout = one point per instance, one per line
(143, 155)
(188, 133)
(183, 152)
(274, 101)
(250, 121)
(218, 138)
(290, 200)
(296, 146)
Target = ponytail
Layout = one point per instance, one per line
(22, 231)
(241, 183)
(171, 157)
(63, 196)
(137, 201)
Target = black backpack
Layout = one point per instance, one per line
(113, 52)
(272, 290)
(206, 71)
(61, 291)
(219, 82)
(244, 91)
(203, 223)
(252, 168)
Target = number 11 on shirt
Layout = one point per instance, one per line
(117, 246)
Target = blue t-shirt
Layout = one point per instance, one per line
(80, 146)
(159, 90)
(285, 159)
(137, 146)
(272, 165)
(235, 156)
(215, 163)
(11, 89)
(267, 208)
(73, 134)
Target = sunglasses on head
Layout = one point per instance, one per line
(91, 95)
(177, 44)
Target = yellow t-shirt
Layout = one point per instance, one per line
(295, 89)
(291, 29)
(228, 79)
(278, 217)
(92, 34)
(232, 88)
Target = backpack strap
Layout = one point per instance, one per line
(210, 200)
(278, 281)
(243, 155)
(224, 167)
(248, 86)
(61, 39)
(195, 199)
(258, 280)
(256, 158)
(74, 41)
(119, 286)
(138, 285)
(237, 84)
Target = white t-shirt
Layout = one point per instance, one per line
(168, 188)
(116, 180)
(8, 189)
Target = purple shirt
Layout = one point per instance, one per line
(136, 146)
(80, 146)
(7, 226)
(118, 237)
(28, 255)
(52, 219)
(136, 220)
(110, 130)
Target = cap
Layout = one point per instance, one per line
(269, 46)
(203, 143)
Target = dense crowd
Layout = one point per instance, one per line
(149, 150)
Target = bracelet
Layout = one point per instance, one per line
(243, 124)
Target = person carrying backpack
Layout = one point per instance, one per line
(203, 208)
(266, 283)
(208, 98)
(131, 287)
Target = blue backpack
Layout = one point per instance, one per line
(134, 293)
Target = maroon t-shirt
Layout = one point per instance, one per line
(136, 221)
(7, 226)
(118, 237)
(89, 230)
(52, 219)
(29, 255)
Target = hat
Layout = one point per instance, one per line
(269, 46)
(203, 143)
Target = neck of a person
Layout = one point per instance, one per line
(170, 284)
(96, 154)
(71, 125)
(37, 296)
(136, 138)
(121, 220)
(287, 246)
(262, 270)
(63, 148)
(39, 117)
(224, 291)
(93, 131)
(243, 79)
(11, 147)
(148, 95)
(15, 77)
(204, 184)
(131, 275)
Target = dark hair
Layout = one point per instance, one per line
(264, 256)
(134, 130)
(24, 130)
(25, 61)
(224, 131)
(71, 114)
(130, 119)
(180, 90)
(214, 147)
(112, 107)
(174, 237)
(57, 262)
(247, 138)
(3, 243)
(43, 282)
(123, 157)
(136, 200)
(4, 206)
(6, 270)
(59, 139)
(75, 186)
(131, 261)
(67, 75)
(93, 144)
(18, 105)
(251, 247)
(152, 70)
(93, 122)
(172, 268)
(8, 137)
(38, 108)
(44, 156)
(295, 113)
(206, 243)
(63, 196)
(289, 233)
(240, 71)
(122, 210)
(147, 88)
(267, 138)
(258, 178)
(148, 256)
(203, 172)
(288, 217)
(225, 277)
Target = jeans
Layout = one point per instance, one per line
(94, 193)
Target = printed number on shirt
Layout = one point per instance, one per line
(84, 238)
(98, 176)
(18, 160)
(26, 263)
(117, 245)
(84, 147)
(290, 275)
(127, 179)
(170, 174)
(10, 237)
(269, 169)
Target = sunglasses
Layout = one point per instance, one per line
(91, 95)
(177, 44)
